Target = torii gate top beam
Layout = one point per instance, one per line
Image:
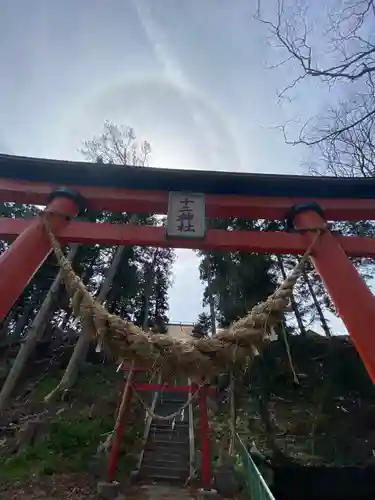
(201, 181)
(120, 188)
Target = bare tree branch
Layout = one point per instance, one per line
(341, 51)
(295, 40)
(117, 145)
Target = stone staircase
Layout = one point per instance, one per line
(166, 454)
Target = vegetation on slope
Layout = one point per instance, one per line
(67, 433)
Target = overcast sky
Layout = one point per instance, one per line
(191, 76)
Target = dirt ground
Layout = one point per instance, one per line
(57, 487)
(79, 487)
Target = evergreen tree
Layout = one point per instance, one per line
(239, 280)
(202, 327)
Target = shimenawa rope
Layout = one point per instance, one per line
(198, 359)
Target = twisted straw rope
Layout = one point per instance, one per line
(198, 359)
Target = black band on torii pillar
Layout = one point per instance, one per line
(309, 206)
(72, 194)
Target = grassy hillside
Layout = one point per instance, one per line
(66, 433)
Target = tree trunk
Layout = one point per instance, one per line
(262, 396)
(147, 295)
(148, 288)
(21, 322)
(35, 332)
(212, 313)
(319, 309)
(211, 302)
(83, 343)
(264, 412)
(68, 315)
(5, 326)
(297, 314)
(233, 413)
(88, 272)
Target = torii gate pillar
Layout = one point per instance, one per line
(352, 298)
(24, 257)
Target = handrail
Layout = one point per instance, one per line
(148, 419)
(192, 458)
(255, 483)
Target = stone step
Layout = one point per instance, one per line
(164, 473)
(165, 431)
(176, 435)
(166, 450)
(168, 424)
(159, 458)
(179, 401)
(173, 433)
(157, 461)
(184, 421)
(162, 424)
(169, 409)
(172, 443)
(166, 454)
(169, 437)
(176, 431)
(168, 402)
(160, 479)
(164, 492)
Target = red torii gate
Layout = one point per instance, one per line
(305, 202)
(124, 408)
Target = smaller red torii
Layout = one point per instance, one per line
(129, 388)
